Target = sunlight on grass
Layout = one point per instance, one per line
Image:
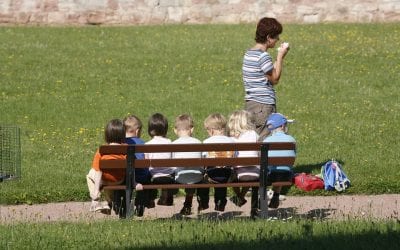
(61, 85)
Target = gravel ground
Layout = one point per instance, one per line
(340, 207)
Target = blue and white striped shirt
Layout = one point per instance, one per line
(257, 63)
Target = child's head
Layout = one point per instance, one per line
(158, 125)
(215, 124)
(133, 126)
(114, 132)
(277, 122)
(240, 121)
(183, 125)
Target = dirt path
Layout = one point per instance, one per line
(323, 207)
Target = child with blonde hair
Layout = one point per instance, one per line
(242, 129)
(184, 126)
(215, 124)
(133, 130)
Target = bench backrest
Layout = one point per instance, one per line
(130, 151)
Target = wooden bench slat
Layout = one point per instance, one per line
(122, 149)
(114, 187)
(193, 162)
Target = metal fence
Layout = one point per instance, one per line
(10, 152)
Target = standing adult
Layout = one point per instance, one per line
(261, 74)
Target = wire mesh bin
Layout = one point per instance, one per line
(10, 152)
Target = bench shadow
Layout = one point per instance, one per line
(291, 213)
(214, 216)
(274, 214)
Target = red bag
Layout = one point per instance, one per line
(308, 182)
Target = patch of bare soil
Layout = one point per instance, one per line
(339, 207)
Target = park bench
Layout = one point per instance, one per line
(263, 160)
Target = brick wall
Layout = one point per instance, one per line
(124, 12)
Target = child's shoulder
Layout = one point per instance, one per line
(218, 138)
(134, 140)
(159, 140)
(249, 135)
(186, 139)
(279, 137)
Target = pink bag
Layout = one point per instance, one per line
(308, 182)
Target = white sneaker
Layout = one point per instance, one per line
(103, 206)
(270, 193)
(282, 197)
(93, 206)
(99, 206)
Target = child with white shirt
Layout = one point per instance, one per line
(157, 129)
(215, 124)
(187, 175)
(242, 129)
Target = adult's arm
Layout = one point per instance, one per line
(275, 74)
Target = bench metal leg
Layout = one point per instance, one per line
(130, 180)
(129, 203)
(263, 181)
(263, 203)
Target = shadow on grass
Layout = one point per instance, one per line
(370, 239)
(281, 214)
(308, 168)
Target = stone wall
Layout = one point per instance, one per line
(126, 12)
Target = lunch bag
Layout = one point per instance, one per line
(308, 182)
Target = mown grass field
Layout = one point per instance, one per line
(61, 85)
(172, 234)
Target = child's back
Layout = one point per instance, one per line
(215, 124)
(241, 128)
(157, 129)
(159, 171)
(184, 126)
(133, 129)
(144, 198)
(277, 124)
(188, 175)
(114, 134)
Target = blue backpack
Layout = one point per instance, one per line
(334, 177)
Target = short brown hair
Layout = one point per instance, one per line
(114, 131)
(132, 122)
(183, 122)
(215, 121)
(158, 125)
(267, 27)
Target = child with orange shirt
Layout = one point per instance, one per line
(114, 134)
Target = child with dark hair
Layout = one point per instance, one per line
(261, 73)
(157, 129)
(114, 134)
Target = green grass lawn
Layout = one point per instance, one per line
(61, 85)
(233, 234)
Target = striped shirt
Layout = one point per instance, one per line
(257, 63)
